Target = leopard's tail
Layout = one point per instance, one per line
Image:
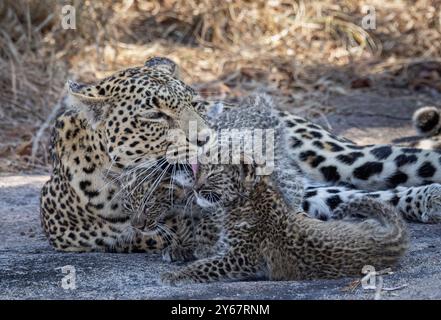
(383, 234)
(427, 121)
(338, 248)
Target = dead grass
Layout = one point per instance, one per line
(301, 52)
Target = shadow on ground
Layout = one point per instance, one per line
(373, 116)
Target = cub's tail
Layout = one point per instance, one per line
(384, 226)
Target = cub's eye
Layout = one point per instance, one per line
(211, 196)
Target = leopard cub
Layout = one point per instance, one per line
(156, 207)
(261, 237)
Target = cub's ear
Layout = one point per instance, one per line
(163, 64)
(249, 176)
(88, 100)
(248, 173)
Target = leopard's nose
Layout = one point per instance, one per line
(204, 137)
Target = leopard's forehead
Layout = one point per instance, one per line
(139, 80)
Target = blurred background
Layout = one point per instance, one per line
(301, 52)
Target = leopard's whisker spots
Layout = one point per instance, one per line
(155, 169)
(146, 165)
(120, 177)
(142, 168)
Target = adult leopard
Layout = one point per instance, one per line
(121, 122)
(325, 157)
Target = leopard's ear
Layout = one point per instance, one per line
(163, 64)
(250, 178)
(87, 98)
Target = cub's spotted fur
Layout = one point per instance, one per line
(262, 237)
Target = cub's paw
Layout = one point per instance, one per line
(175, 279)
(169, 279)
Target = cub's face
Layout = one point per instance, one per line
(222, 185)
(149, 201)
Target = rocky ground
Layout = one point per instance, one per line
(31, 269)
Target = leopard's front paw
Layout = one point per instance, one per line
(181, 254)
(168, 279)
(204, 251)
(175, 279)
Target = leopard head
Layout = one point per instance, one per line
(143, 115)
(223, 184)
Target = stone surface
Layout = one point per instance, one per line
(30, 268)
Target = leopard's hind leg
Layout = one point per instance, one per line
(231, 266)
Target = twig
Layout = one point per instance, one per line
(43, 127)
(396, 288)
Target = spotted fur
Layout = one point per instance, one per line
(261, 237)
(418, 204)
(119, 124)
(124, 121)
